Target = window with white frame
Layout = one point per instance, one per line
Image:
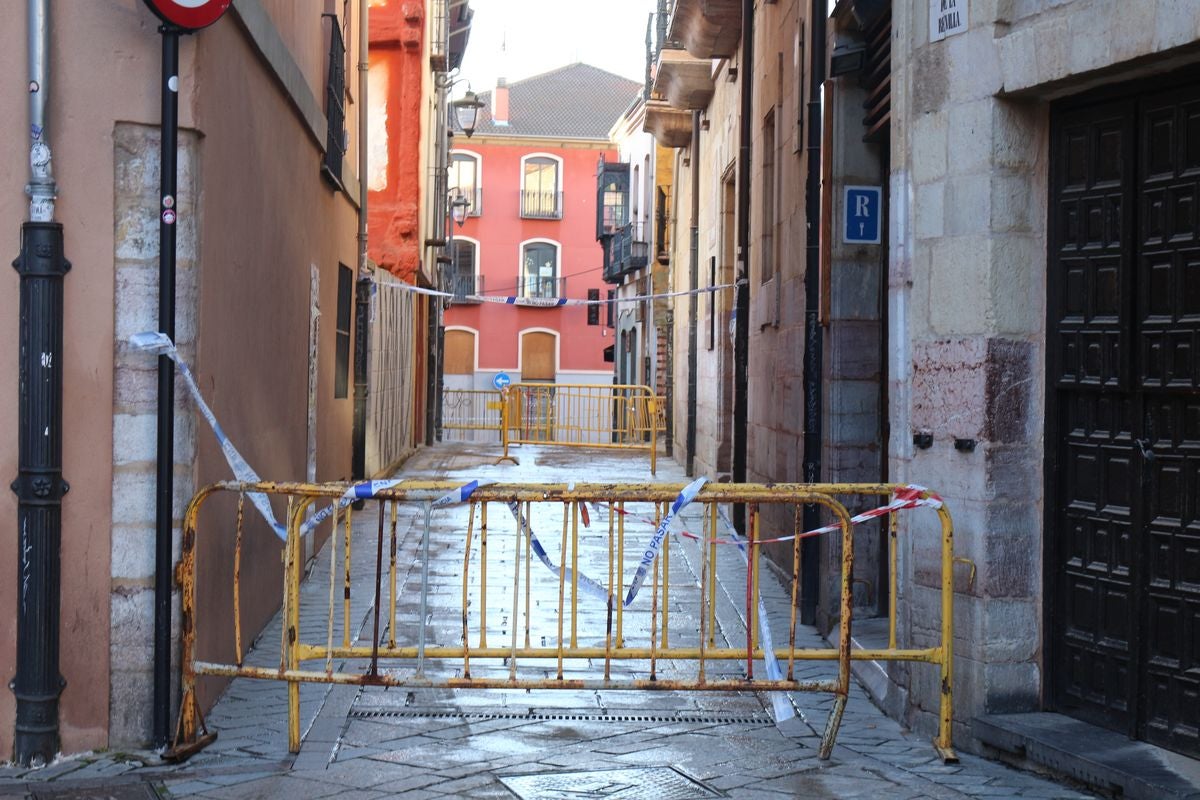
(540, 197)
(464, 178)
(539, 269)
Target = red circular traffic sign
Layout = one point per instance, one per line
(189, 14)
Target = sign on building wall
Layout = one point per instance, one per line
(946, 18)
(862, 206)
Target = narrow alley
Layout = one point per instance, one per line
(372, 742)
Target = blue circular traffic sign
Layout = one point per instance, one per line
(500, 380)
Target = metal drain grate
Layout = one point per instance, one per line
(541, 716)
(658, 783)
(132, 791)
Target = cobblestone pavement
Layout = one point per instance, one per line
(376, 742)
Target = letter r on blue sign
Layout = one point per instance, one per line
(862, 208)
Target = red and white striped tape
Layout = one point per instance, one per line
(910, 496)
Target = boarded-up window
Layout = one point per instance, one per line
(537, 356)
(460, 353)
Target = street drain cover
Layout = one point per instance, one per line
(659, 783)
(697, 718)
(132, 791)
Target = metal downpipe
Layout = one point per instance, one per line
(741, 343)
(813, 361)
(39, 485)
(362, 331)
(693, 300)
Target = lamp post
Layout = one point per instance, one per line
(466, 111)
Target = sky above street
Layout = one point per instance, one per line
(519, 38)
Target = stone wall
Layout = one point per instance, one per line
(136, 164)
(967, 277)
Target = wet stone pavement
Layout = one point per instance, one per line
(380, 742)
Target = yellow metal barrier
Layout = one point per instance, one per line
(468, 413)
(623, 416)
(641, 646)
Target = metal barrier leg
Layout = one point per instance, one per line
(944, 741)
(421, 623)
(292, 571)
(831, 727)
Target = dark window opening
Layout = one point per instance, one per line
(612, 308)
(341, 368)
(593, 309)
(335, 105)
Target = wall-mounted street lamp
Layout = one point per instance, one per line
(460, 206)
(466, 111)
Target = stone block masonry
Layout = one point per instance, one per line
(135, 220)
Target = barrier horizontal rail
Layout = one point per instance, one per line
(635, 639)
(621, 416)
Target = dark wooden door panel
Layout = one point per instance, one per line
(1091, 286)
(1124, 306)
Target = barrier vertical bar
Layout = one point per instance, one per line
(424, 608)
(706, 534)
(755, 518)
(613, 598)
(797, 529)
(292, 578)
(892, 563)
(483, 565)
(349, 522)
(528, 561)
(392, 579)
(237, 580)
(562, 588)
(574, 506)
(466, 581)
(666, 586)
(712, 584)
(374, 669)
(333, 549)
(516, 596)
(943, 743)
(620, 510)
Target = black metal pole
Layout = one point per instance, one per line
(813, 362)
(693, 300)
(362, 331)
(741, 339)
(164, 512)
(39, 488)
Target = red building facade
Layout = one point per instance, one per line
(529, 175)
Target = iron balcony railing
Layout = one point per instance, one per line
(625, 250)
(543, 288)
(464, 284)
(541, 205)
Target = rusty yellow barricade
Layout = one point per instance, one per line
(607, 542)
(471, 415)
(622, 416)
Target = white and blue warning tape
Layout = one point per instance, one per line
(685, 497)
(779, 700)
(548, 302)
(369, 489)
(159, 344)
(589, 585)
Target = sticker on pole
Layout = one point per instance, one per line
(191, 15)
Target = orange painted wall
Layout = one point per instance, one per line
(500, 231)
(396, 30)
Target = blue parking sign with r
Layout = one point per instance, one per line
(863, 214)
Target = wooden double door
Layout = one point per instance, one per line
(1123, 422)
